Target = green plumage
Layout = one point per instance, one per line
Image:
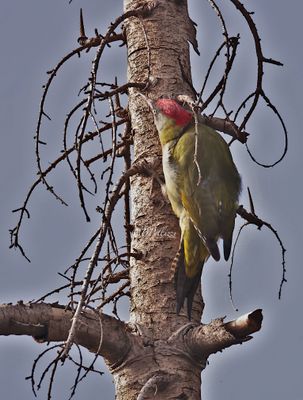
(210, 198)
(203, 186)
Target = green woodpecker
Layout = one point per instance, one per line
(203, 186)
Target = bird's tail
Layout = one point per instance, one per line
(185, 286)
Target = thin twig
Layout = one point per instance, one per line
(94, 259)
(255, 220)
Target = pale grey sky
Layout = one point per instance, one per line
(35, 35)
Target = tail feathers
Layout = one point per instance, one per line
(227, 242)
(213, 248)
(228, 238)
(192, 284)
(186, 287)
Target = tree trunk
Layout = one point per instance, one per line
(158, 53)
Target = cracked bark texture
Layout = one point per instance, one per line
(143, 367)
(163, 59)
(158, 52)
(51, 323)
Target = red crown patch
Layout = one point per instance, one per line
(173, 110)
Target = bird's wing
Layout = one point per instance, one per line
(210, 187)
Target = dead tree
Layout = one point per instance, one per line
(156, 354)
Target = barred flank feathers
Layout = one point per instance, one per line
(175, 262)
(185, 287)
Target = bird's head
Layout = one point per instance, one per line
(169, 109)
(169, 116)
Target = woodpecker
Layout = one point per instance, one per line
(203, 187)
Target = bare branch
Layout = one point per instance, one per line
(51, 323)
(94, 259)
(14, 233)
(216, 336)
(285, 134)
(225, 126)
(233, 42)
(246, 324)
(255, 220)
